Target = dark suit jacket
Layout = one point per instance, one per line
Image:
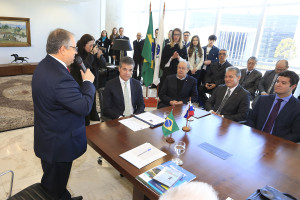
(138, 48)
(287, 123)
(113, 99)
(266, 81)
(251, 82)
(236, 107)
(60, 105)
(168, 91)
(213, 54)
(215, 74)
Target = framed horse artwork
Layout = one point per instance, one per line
(14, 32)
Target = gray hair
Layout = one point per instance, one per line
(232, 68)
(57, 39)
(223, 50)
(187, 64)
(192, 190)
(253, 58)
(126, 60)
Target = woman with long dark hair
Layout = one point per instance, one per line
(195, 57)
(92, 58)
(112, 53)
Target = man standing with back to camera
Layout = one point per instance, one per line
(60, 105)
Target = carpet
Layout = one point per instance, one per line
(16, 105)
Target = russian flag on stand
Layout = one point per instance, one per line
(189, 111)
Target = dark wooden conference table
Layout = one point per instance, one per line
(258, 159)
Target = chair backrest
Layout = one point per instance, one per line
(102, 117)
(11, 181)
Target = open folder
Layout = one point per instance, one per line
(143, 155)
(150, 118)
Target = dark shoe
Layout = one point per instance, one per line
(77, 198)
(153, 86)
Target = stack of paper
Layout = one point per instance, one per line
(143, 155)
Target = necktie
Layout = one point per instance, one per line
(68, 69)
(223, 101)
(272, 117)
(247, 74)
(270, 90)
(126, 100)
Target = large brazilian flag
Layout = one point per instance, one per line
(148, 54)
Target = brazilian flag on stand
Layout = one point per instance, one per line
(148, 55)
(170, 125)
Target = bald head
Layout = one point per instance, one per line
(281, 65)
(138, 36)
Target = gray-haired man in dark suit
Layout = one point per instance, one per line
(230, 101)
(250, 77)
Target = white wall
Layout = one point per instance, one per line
(45, 16)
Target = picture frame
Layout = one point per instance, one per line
(14, 32)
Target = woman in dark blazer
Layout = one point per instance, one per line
(92, 58)
(112, 37)
(104, 41)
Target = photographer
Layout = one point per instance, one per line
(93, 59)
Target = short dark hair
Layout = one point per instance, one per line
(212, 37)
(56, 39)
(187, 32)
(294, 78)
(156, 30)
(126, 60)
(121, 28)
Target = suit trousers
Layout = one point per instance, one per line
(55, 179)
(202, 98)
(137, 68)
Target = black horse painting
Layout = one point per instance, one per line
(19, 58)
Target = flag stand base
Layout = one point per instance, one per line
(170, 140)
(186, 129)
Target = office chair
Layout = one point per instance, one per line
(33, 192)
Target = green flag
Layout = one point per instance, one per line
(147, 53)
(170, 125)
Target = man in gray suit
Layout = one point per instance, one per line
(250, 77)
(266, 84)
(230, 101)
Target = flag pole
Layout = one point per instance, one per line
(186, 128)
(169, 139)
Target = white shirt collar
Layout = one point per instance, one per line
(64, 64)
(232, 89)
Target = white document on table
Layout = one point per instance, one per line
(134, 124)
(143, 155)
(150, 118)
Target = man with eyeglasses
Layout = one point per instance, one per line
(214, 76)
(60, 107)
(178, 88)
(186, 39)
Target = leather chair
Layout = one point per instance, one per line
(33, 192)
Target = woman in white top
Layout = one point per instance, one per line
(195, 57)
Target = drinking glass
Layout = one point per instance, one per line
(179, 149)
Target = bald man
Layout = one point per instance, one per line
(137, 56)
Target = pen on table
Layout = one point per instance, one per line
(144, 152)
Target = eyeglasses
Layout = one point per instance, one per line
(76, 48)
(186, 35)
(222, 54)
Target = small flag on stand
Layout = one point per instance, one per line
(189, 111)
(169, 125)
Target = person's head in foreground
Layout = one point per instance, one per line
(191, 191)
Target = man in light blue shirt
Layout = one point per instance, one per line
(279, 113)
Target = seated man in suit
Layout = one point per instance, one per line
(230, 101)
(250, 77)
(214, 76)
(178, 88)
(123, 95)
(279, 113)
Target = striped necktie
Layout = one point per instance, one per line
(223, 102)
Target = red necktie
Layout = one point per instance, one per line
(68, 69)
(272, 117)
